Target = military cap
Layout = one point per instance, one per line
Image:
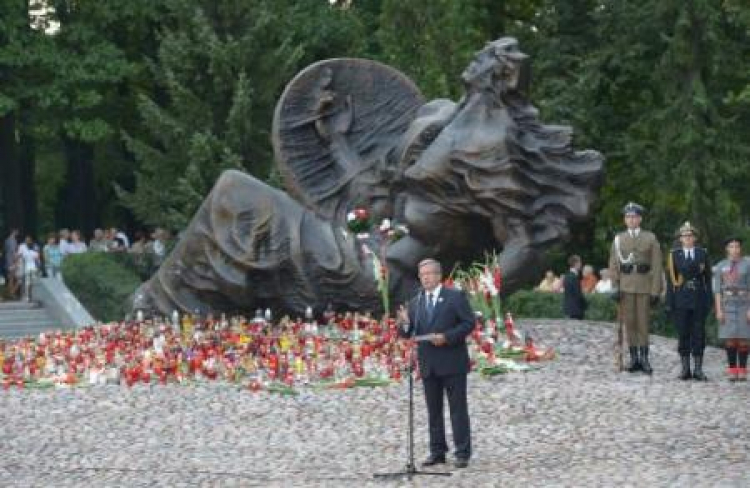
(632, 208)
(732, 239)
(687, 229)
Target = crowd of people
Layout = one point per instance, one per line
(25, 260)
(590, 282)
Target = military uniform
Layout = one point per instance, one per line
(688, 300)
(635, 264)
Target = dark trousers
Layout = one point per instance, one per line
(691, 331)
(454, 387)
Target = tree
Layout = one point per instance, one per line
(20, 47)
(220, 67)
(661, 79)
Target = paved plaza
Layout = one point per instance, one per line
(573, 422)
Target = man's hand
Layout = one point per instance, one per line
(439, 340)
(654, 300)
(720, 316)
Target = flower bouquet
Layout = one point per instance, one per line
(358, 221)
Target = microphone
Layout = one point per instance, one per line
(418, 313)
(419, 296)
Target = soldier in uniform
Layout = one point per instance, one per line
(731, 285)
(689, 299)
(636, 270)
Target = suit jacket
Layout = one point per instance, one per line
(645, 250)
(689, 283)
(453, 317)
(574, 304)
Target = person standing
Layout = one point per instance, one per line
(52, 257)
(98, 243)
(604, 285)
(29, 260)
(731, 286)
(588, 279)
(689, 299)
(444, 313)
(574, 304)
(636, 271)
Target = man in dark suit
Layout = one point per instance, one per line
(445, 315)
(574, 304)
(689, 299)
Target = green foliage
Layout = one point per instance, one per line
(220, 67)
(102, 283)
(162, 95)
(530, 304)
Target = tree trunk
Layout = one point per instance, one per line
(27, 166)
(14, 215)
(78, 209)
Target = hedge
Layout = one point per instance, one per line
(102, 282)
(534, 304)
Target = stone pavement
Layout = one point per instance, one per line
(574, 422)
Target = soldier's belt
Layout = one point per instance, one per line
(734, 293)
(693, 284)
(639, 268)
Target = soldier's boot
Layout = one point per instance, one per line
(732, 370)
(698, 371)
(742, 369)
(645, 365)
(685, 373)
(635, 364)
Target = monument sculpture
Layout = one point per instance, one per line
(465, 178)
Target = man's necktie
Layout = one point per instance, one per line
(430, 306)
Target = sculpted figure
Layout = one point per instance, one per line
(469, 177)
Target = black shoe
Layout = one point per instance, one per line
(698, 371)
(635, 364)
(685, 373)
(432, 460)
(645, 365)
(461, 463)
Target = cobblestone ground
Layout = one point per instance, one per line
(574, 422)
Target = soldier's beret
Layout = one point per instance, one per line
(632, 208)
(732, 239)
(687, 229)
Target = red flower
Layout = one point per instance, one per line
(361, 213)
(497, 277)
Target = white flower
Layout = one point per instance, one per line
(351, 217)
(385, 225)
(488, 283)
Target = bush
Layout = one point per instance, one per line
(534, 304)
(101, 282)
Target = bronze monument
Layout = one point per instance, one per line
(465, 178)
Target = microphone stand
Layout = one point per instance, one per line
(410, 470)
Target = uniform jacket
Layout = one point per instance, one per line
(689, 281)
(641, 250)
(453, 317)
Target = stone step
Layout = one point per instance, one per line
(19, 305)
(25, 319)
(23, 315)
